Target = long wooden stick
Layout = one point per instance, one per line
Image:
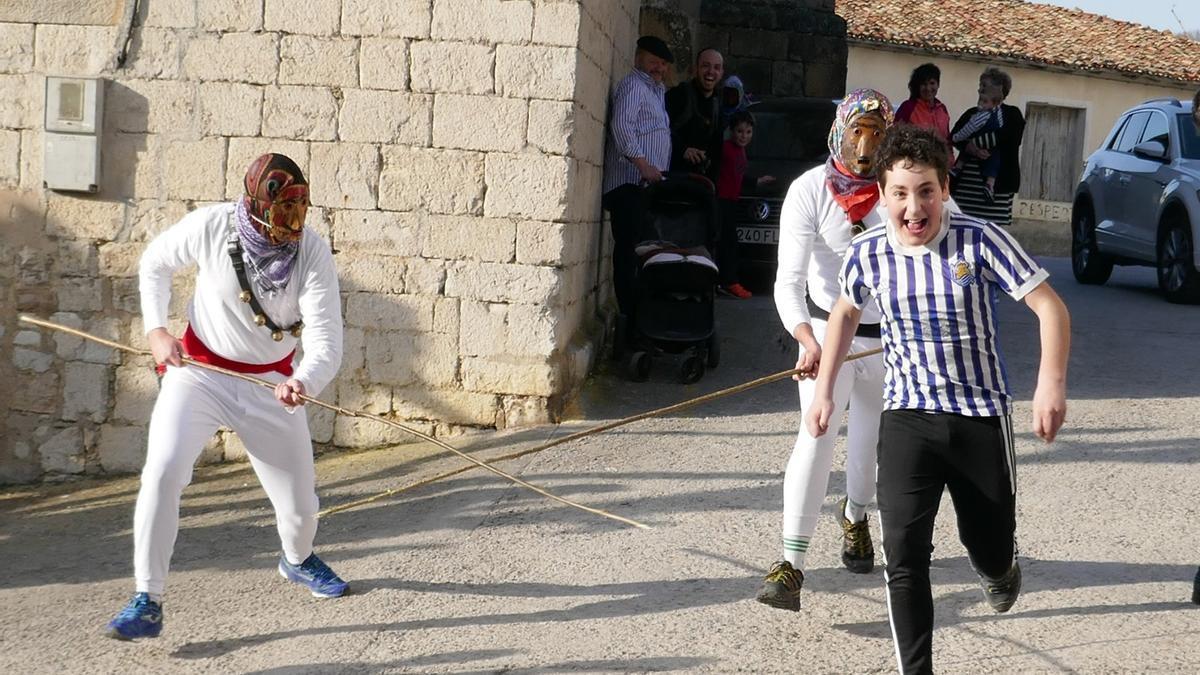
(344, 411)
(591, 432)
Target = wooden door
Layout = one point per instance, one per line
(1051, 152)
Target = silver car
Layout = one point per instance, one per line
(1138, 200)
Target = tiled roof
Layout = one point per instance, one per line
(1024, 31)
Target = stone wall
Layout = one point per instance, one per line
(777, 47)
(454, 149)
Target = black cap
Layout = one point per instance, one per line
(656, 47)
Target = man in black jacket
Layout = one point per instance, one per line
(694, 109)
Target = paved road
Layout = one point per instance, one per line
(471, 575)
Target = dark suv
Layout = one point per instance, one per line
(1137, 202)
(789, 138)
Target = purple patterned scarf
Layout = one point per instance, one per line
(270, 264)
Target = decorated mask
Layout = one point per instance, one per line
(277, 197)
(862, 117)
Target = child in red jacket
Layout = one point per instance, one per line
(729, 189)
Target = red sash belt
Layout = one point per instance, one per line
(198, 351)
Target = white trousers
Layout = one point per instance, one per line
(192, 403)
(859, 383)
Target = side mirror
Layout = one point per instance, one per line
(1151, 150)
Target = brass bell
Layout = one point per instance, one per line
(297, 330)
(260, 320)
(244, 296)
(277, 335)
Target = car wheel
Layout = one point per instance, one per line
(1088, 264)
(1177, 275)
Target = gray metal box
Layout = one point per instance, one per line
(74, 123)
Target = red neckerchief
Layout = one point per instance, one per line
(857, 203)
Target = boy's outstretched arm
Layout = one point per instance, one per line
(1050, 397)
(839, 333)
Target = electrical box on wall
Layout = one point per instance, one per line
(74, 123)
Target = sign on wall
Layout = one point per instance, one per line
(1034, 209)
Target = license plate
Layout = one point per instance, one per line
(758, 235)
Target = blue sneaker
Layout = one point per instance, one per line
(141, 618)
(314, 574)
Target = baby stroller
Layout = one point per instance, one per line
(676, 278)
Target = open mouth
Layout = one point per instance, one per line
(915, 227)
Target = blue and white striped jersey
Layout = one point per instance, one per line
(939, 308)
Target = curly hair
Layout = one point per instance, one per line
(998, 77)
(920, 75)
(741, 117)
(910, 145)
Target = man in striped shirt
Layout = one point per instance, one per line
(638, 151)
(946, 420)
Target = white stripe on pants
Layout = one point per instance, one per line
(192, 403)
(859, 384)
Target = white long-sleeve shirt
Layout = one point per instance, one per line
(222, 321)
(814, 235)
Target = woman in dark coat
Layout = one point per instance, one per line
(968, 187)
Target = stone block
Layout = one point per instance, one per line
(32, 359)
(16, 47)
(168, 13)
(353, 346)
(36, 392)
(353, 432)
(122, 449)
(229, 109)
(534, 330)
(523, 411)
(10, 158)
(120, 259)
(372, 116)
(552, 126)
(557, 23)
(32, 147)
(446, 316)
(28, 338)
(459, 238)
(136, 390)
(84, 218)
(826, 80)
(85, 392)
(73, 50)
(370, 398)
(452, 67)
(193, 169)
(483, 20)
(148, 218)
(825, 49)
(22, 109)
(530, 376)
(63, 452)
(390, 354)
(320, 425)
(76, 259)
(589, 139)
(483, 328)
(496, 282)
(435, 359)
(331, 62)
(390, 312)
(762, 44)
(554, 244)
(479, 122)
(232, 447)
(440, 181)
(233, 57)
(383, 64)
(396, 18)
(591, 88)
(755, 73)
(243, 151)
(424, 277)
(154, 53)
(380, 232)
(306, 18)
(528, 186)
(365, 273)
(446, 405)
(230, 15)
(72, 348)
(154, 106)
(536, 71)
(309, 113)
(787, 78)
(132, 166)
(344, 175)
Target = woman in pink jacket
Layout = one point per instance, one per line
(923, 109)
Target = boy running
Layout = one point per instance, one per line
(946, 419)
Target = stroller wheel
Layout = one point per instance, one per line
(639, 366)
(692, 369)
(714, 350)
(620, 337)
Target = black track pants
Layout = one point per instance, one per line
(919, 453)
